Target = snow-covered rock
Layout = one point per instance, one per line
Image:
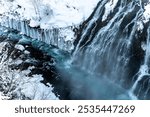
(19, 47)
(147, 13)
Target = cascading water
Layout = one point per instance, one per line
(110, 44)
(143, 73)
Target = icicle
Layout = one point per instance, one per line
(19, 26)
(27, 29)
(65, 45)
(13, 24)
(10, 23)
(49, 36)
(22, 23)
(46, 36)
(6, 22)
(34, 33)
(61, 43)
(39, 34)
(55, 34)
(42, 34)
(69, 45)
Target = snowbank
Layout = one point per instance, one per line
(16, 83)
(50, 13)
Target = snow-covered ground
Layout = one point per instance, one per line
(29, 87)
(147, 13)
(50, 13)
(57, 13)
(16, 83)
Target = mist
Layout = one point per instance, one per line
(83, 85)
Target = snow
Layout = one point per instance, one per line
(19, 47)
(18, 83)
(36, 90)
(26, 52)
(18, 62)
(30, 87)
(58, 13)
(51, 13)
(67, 33)
(2, 97)
(147, 13)
(145, 18)
(140, 25)
(109, 8)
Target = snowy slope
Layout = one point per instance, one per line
(147, 13)
(16, 83)
(57, 13)
(50, 13)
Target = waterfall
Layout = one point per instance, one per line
(49, 36)
(144, 69)
(111, 46)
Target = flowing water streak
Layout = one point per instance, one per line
(106, 47)
(106, 51)
(144, 69)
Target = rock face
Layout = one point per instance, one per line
(114, 46)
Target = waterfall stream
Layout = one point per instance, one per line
(144, 69)
(112, 47)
